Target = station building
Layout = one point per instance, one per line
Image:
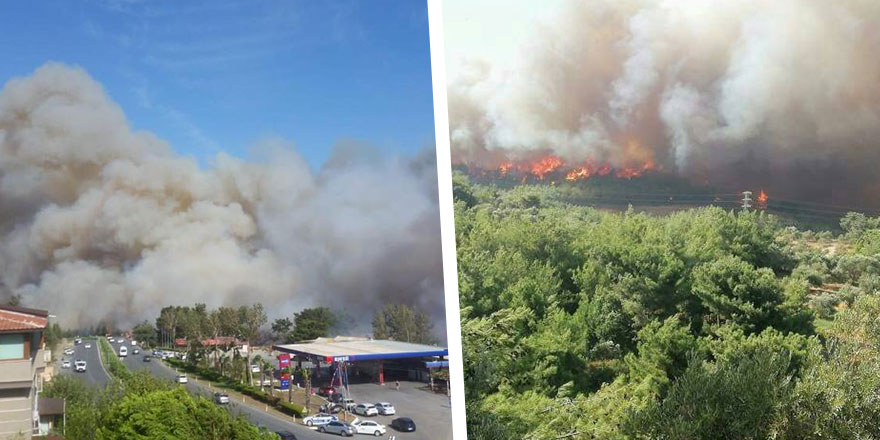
(343, 360)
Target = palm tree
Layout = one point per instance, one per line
(267, 366)
(224, 363)
(307, 376)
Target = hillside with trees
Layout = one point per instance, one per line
(706, 323)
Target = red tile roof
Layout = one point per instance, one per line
(12, 319)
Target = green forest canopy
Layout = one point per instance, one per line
(706, 323)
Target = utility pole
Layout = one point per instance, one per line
(747, 200)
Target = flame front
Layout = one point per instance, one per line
(550, 164)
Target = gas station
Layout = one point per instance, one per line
(338, 361)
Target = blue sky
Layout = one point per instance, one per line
(219, 75)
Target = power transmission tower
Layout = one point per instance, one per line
(747, 200)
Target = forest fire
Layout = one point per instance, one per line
(547, 165)
(762, 200)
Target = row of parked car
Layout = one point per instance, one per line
(326, 421)
(330, 423)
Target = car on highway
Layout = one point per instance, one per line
(327, 391)
(366, 409)
(337, 427)
(286, 435)
(78, 341)
(181, 378)
(88, 345)
(68, 351)
(221, 398)
(368, 427)
(319, 419)
(123, 352)
(65, 364)
(403, 424)
(385, 409)
(135, 351)
(79, 366)
(110, 339)
(148, 358)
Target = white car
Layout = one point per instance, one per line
(255, 368)
(319, 419)
(111, 340)
(65, 364)
(366, 409)
(88, 345)
(368, 427)
(123, 352)
(385, 409)
(133, 342)
(348, 404)
(79, 366)
(68, 351)
(182, 379)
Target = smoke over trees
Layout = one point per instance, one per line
(100, 223)
(780, 94)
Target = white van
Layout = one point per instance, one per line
(123, 352)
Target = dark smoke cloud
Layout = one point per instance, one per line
(103, 224)
(739, 92)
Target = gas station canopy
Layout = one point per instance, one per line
(360, 349)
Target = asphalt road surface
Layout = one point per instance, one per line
(95, 372)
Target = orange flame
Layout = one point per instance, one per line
(762, 198)
(629, 173)
(578, 173)
(546, 165)
(550, 164)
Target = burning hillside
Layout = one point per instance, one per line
(740, 94)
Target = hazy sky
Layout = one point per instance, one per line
(218, 75)
(492, 30)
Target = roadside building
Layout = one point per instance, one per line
(22, 362)
(51, 413)
(344, 359)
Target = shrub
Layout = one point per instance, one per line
(292, 409)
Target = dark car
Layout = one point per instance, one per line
(286, 435)
(148, 358)
(327, 391)
(332, 408)
(403, 424)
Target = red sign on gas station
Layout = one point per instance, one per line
(283, 360)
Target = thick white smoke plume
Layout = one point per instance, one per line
(782, 93)
(102, 224)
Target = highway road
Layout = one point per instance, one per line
(95, 373)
